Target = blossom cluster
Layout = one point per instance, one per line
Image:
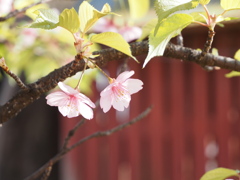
(72, 103)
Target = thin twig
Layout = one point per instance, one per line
(72, 132)
(47, 171)
(17, 79)
(113, 130)
(207, 48)
(60, 155)
(4, 66)
(208, 43)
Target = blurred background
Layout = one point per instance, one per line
(193, 127)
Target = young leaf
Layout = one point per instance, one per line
(204, 2)
(46, 19)
(164, 8)
(234, 73)
(69, 20)
(146, 29)
(113, 40)
(168, 28)
(89, 15)
(230, 4)
(138, 8)
(219, 174)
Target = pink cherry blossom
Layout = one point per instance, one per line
(118, 92)
(105, 25)
(129, 33)
(71, 102)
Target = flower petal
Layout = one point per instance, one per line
(85, 99)
(107, 91)
(68, 111)
(120, 104)
(67, 89)
(133, 85)
(57, 98)
(85, 111)
(105, 103)
(124, 76)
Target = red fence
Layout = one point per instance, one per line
(193, 127)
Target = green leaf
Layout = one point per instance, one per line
(234, 73)
(219, 174)
(204, 2)
(46, 19)
(165, 7)
(169, 28)
(230, 4)
(138, 8)
(237, 55)
(146, 29)
(69, 20)
(113, 40)
(199, 16)
(89, 15)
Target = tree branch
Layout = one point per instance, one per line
(18, 11)
(64, 151)
(25, 97)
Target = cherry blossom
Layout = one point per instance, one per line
(129, 33)
(118, 92)
(5, 6)
(71, 102)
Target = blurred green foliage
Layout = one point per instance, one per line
(33, 53)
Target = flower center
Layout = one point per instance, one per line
(120, 92)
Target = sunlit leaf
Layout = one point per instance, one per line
(146, 29)
(198, 16)
(165, 7)
(219, 174)
(230, 4)
(204, 2)
(89, 15)
(138, 8)
(69, 20)
(46, 19)
(113, 40)
(234, 73)
(30, 11)
(169, 28)
(215, 51)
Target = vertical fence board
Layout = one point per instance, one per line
(177, 109)
(200, 119)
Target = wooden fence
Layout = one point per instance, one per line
(193, 127)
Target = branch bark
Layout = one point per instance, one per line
(25, 97)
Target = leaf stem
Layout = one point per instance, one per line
(109, 78)
(80, 79)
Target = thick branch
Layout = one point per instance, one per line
(64, 151)
(25, 97)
